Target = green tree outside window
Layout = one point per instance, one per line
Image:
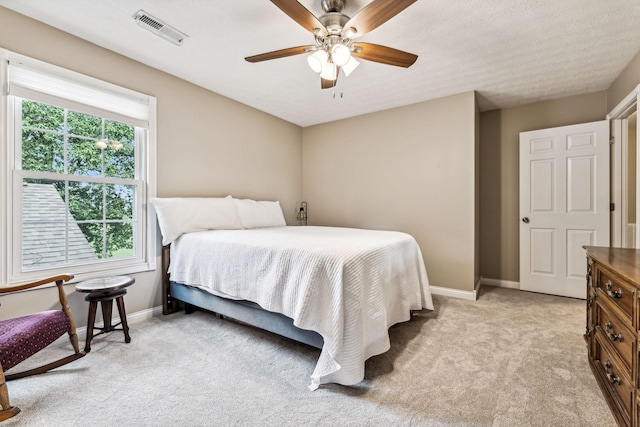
(66, 142)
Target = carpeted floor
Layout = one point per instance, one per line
(509, 359)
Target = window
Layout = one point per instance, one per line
(80, 171)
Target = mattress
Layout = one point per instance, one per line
(349, 285)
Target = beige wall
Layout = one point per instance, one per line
(500, 130)
(208, 145)
(627, 81)
(499, 169)
(439, 170)
(409, 169)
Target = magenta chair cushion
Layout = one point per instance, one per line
(23, 337)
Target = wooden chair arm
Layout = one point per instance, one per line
(60, 279)
(62, 296)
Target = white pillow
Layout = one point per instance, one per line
(179, 215)
(255, 214)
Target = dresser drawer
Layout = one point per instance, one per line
(614, 379)
(613, 330)
(620, 294)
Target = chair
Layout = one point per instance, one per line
(22, 337)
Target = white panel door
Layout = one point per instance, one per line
(564, 204)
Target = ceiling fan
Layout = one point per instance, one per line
(335, 32)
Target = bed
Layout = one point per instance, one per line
(338, 289)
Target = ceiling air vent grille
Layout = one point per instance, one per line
(159, 28)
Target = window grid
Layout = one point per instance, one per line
(22, 77)
(69, 175)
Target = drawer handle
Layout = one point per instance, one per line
(613, 337)
(616, 294)
(612, 379)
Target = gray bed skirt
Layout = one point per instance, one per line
(246, 312)
(242, 311)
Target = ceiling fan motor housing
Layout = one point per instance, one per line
(334, 22)
(334, 34)
(332, 5)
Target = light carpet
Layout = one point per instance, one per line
(510, 358)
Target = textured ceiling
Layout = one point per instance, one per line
(512, 52)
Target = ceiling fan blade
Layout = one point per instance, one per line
(300, 14)
(384, 55)
(375, 14)
(282, 53)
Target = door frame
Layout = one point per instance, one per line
(619, 157)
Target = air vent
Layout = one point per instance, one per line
(159, 28)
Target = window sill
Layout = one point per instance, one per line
(81, 273)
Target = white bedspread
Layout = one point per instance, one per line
(349, 285)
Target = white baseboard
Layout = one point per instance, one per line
(501, 283)
(473, 295)
(137, 317)
(455, 293)
(141, 316)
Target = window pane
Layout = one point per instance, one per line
(86, 201)
(116, 131)
(84, 125)
(66, 223)
(120, 240)
(93, 232)
(120, 163)
(42, 116)
(120, 157)
(85, 158)
(42, 151)
(50, 236)
(120, 202)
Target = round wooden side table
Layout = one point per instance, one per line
(104, 291)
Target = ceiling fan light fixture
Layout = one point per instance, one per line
(329, 71)
(317, 60)
(350, 32)
(351, 65)
(340, 54)
(334, 49)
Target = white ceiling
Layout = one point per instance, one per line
(512, 52)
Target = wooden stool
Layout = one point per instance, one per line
(105, 290)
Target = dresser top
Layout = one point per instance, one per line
(625, 262)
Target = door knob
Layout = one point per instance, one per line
(525, 220)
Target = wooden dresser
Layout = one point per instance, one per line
(613, 322)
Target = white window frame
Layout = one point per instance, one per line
(104, 100)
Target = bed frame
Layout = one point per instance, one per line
(240, 310)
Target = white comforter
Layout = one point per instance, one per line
(349, 285)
